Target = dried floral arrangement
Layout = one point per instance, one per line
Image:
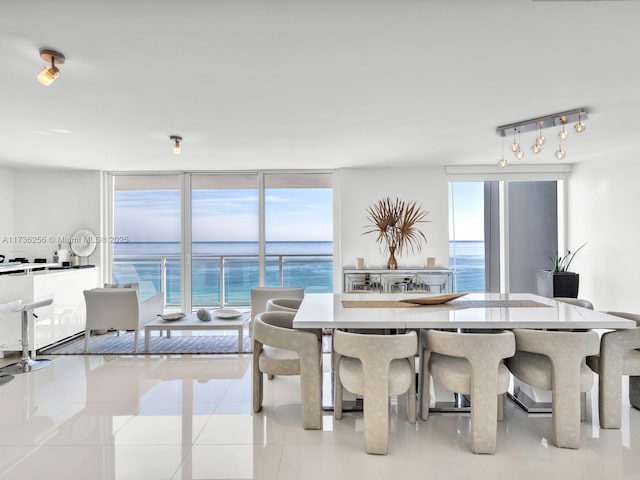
(396, 224)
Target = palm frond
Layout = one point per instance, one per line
(395, 223)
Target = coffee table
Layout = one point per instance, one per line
(191, 322)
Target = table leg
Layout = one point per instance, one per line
(240, 339)
(147, 333)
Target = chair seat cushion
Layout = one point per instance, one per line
(454, 373)
(278, 361)
(630, 365)
(536, 370)
(352, 376)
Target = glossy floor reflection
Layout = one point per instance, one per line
(186, 418)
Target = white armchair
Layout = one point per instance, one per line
(120, 309)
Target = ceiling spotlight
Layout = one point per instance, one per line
(579, 126)
(48, 75)
(177, 144)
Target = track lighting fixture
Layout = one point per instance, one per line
(177, 144)
(48, 75)
(559, 119)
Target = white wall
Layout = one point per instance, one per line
(360, 188)
(6, 211)
(603, 211)
(55, 203)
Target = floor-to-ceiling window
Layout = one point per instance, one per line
(207, 239)
(299, 231)
(225, 234)
(466, 235)
(147, 214)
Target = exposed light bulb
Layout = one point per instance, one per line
(536, 148)
(563, 134)
(177, 144)
(540, 140)
(502, 163)
(579, 127)
(560, 153)
(48, 75)
(519, 154)
(514, 146)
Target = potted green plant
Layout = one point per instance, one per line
(395, 223)
(560, 281)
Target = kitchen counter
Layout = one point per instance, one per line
(65, 317)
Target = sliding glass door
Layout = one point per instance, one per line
(503, 232)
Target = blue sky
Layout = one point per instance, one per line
(468, 209)
(225, 215)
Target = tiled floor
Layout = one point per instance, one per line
(160, 417)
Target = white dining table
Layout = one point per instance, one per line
(472, 311)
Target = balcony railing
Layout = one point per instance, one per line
(240, 273)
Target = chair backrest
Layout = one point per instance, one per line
(558, 345)
(261, 295)
(276, 329)
(375, 348)
(112, 308)
(284, 304)
(580, 302)
(488, 347)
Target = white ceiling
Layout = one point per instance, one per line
(266, 84)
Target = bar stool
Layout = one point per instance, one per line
(7, 307)
(27, 364)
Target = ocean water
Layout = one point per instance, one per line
(466, 258)
(306, 264)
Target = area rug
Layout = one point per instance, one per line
(111, 344)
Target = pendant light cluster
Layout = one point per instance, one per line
(560, 120)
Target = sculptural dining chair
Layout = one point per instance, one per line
(278, 349)
(555, 360)
(261, 295)
(470, 364)
(619, 355)
(376, 367)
